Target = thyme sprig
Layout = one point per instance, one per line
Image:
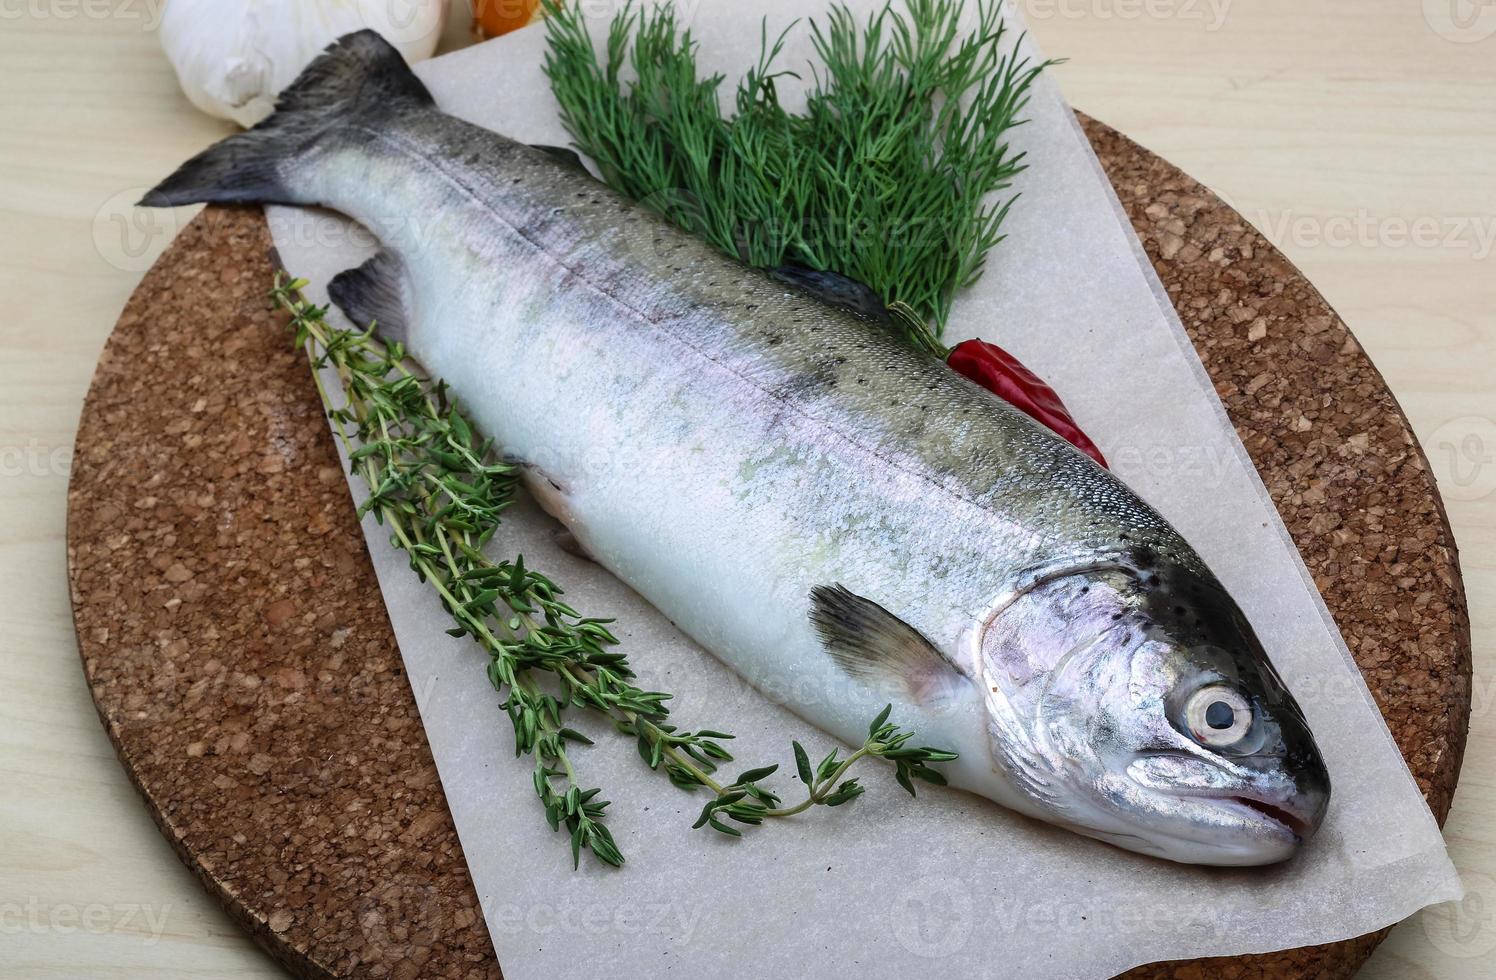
(881, 177)
(441, 491)
(747, 802)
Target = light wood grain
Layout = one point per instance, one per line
(1339, 128)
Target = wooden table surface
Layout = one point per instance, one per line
(1359, 135)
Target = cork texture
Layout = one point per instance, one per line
(238, 652)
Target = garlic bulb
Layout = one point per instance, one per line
(232, 58)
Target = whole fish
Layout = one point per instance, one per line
(841, 519)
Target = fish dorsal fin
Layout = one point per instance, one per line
(870, 643)
(834, 288)
(374, 293)
(563, 154)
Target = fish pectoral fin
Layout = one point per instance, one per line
(870, 643)
(374, 293)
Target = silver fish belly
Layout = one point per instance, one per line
(840, 518)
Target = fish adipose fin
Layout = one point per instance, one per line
(374, 293)
(360, 75)
(870, 643)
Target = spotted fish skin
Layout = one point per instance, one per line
(727, 444)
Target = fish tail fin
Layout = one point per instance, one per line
(359, 74)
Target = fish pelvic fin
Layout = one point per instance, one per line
(359, 75)
(572, 545)
(374, 294)
(872, 644)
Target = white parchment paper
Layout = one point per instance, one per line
(888, 887)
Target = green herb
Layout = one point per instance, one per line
(881, 177)
(441, 490)
(745, 801)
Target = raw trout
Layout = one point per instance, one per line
(841, 519)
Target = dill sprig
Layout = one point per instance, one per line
(881, 177)
(441, 491)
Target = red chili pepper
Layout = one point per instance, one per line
(1005, 376)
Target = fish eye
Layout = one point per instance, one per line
(1218, 716)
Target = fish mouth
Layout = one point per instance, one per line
(1298, 825)
(1233, 830)
(1239, 822)
(1214, 830)
(1272, 815)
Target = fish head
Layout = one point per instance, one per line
(1134, 699)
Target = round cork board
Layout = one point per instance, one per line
(239, 654)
